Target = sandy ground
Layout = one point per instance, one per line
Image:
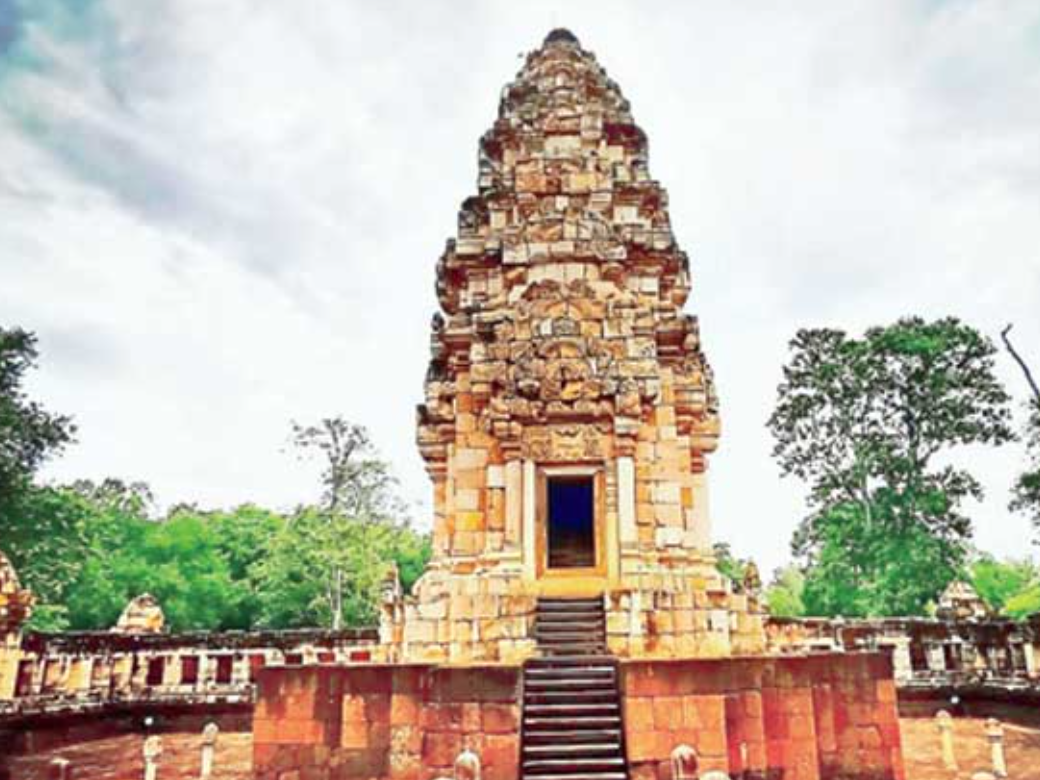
(119, 758)
(923, 759)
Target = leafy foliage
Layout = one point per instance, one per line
(1024, 603)
(28, 433)
(1025, 494)
(865, 422)
(785, 594)
(1026, 490)
(998, 582)
(732, 567)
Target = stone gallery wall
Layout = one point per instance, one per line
(809, 718)
(816, 718)
(51, 675)
(927, 652)
(381, 722)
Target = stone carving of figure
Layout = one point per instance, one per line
(752, 579)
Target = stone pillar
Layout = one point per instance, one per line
(152, 750)
(1029, 654)
(626, 493)
(530, 535)
(684, 763)
(79, 675)
(209, 746)
(59, 769)
(172, 671)
(240, 670)
(936, 659)
(467, 766)
(944, 725)
(902, 668)
(514, 474)
(207, 671)
(701, 516)
(995, 737)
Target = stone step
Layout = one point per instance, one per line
(545, 611)
(569, 710)
(576, 680)
(569, 650)
(581, 750)
(585, 628)
(566, 632)
(560, 661)
(576, 723)
(557, 618)
(571, 764)
(586, 670)
(570, 605)
(573, 737)
(575, 697)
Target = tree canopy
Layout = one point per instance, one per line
(1026, 489)
(866, 422)
(29, 434)
(85, 549)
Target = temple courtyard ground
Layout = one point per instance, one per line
(119, 758)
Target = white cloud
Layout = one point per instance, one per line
(222, 216)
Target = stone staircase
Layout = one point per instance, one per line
(572, 726)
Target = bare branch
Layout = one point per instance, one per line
(1021, 363)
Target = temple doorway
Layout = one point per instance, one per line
(571, 520)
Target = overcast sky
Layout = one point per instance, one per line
(222, 215)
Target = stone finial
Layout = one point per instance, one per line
(944, 724)
(960, 601)
(752, 579)
(995, 737)
(210, 732)
(467, 766)
(142, 615)
(8, 576)
(151, 750)
(15, 602)
(561, 35)
(684, 763)
(391, 590)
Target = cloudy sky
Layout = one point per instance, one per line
(223, 215)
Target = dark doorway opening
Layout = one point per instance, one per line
(572, 522)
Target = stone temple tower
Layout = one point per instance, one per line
(569, 409)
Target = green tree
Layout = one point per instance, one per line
(997, 582)
(867, 423)
(784, 594)
(29, 434)
(326, 565)
(1024, 603)
(1026, 490)
(728, 564)
(58, 531)
(32, 523)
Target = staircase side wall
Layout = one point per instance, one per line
(384, 722)
(798, 718)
